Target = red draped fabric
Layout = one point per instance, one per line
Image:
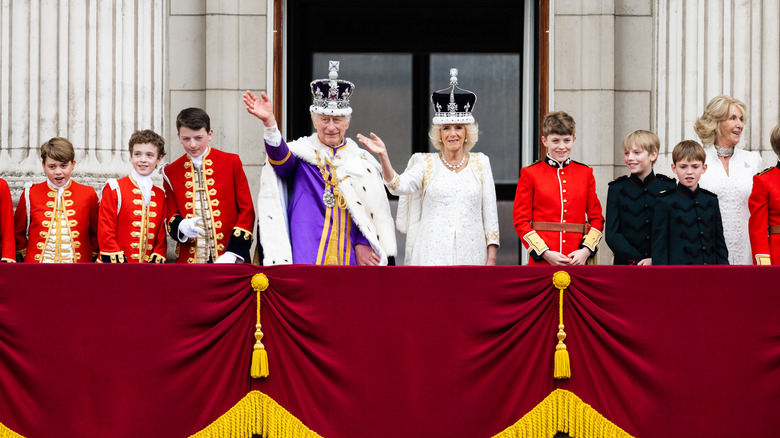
(163, 351)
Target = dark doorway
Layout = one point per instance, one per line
(398, 52)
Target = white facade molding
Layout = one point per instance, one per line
(91, 71)
(704, 49)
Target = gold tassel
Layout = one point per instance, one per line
(259, 366)
(562, 370)
(259, 357)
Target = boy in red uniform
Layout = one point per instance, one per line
(56, 220)
(7, 250)
(210, 211)
(764, 205)
(132, 210)
(556, 212)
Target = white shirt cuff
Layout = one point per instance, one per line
(272, 136)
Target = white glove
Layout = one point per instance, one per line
(227, 257)
(189, 229)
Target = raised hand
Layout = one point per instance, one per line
(261, 107)
(373, 144)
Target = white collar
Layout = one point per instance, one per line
(198, 161)
(144, 183)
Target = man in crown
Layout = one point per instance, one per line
(338, 212)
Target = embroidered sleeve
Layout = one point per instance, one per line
(489, 205)
(412, 179)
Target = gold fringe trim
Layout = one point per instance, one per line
(562, 411)
(8, 433)
(257, 414)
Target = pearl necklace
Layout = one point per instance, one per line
(452, 167)
(724, 152)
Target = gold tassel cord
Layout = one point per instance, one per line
(259, 366)
(563, 411)
(561, 280)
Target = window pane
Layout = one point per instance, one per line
(495, 79)
(382, 101)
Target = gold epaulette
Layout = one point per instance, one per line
(580, 163)
(618, 179)
(766, 170)
(540, 160)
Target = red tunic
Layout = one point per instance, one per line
(7, 250)
(563, 195)
(764, 205)
(136, 232)
(228, 195)
(81, 211)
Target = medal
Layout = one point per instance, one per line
(328, 199)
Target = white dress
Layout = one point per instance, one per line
(733, 191)
(450, 218)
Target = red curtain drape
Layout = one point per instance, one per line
(162, 351)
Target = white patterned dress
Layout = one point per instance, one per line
(450, 218)
(733, 191)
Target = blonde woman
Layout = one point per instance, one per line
(448, 199)
(730, 170)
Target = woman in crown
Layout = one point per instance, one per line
(447, 205)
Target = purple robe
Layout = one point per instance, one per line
(310, 233)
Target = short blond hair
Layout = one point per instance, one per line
(689, 150)
(774, 139)
(643, 139)
(472, 135)
(717, 110)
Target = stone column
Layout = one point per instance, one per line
(583, 70)
(91, 71)
(218, 51)
(704, 49)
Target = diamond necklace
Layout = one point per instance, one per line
(724, 152)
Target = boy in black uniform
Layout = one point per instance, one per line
(631, 200)
(687, 227)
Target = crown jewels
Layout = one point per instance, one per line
(331, 96)
(453, 105)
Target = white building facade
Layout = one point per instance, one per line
(95, 71)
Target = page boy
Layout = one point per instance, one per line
(210, 211)
(631, 200)
(7, 245)
(56, 220)
(687, 226)
(556, 212)
(132, 209)
(764, 205)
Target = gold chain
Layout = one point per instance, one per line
(331, 180)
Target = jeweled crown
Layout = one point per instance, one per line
(453, 105)
(331, 96)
